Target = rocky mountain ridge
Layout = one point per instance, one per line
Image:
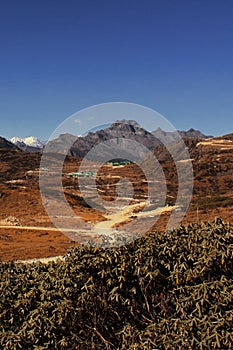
(120, 129)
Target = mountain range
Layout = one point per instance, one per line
(28, 144)
(78, 146)
(123, 130)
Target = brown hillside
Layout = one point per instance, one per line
(20, 196)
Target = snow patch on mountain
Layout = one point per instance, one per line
(31, 141)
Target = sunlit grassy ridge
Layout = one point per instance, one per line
(166, 291)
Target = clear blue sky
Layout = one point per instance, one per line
(57, 57)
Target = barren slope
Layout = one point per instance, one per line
(20, 195)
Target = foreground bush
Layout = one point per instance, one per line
(165, 291)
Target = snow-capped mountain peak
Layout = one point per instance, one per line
(31, 141)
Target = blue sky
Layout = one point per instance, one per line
(58, 57)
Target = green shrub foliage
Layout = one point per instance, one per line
(166, 291)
